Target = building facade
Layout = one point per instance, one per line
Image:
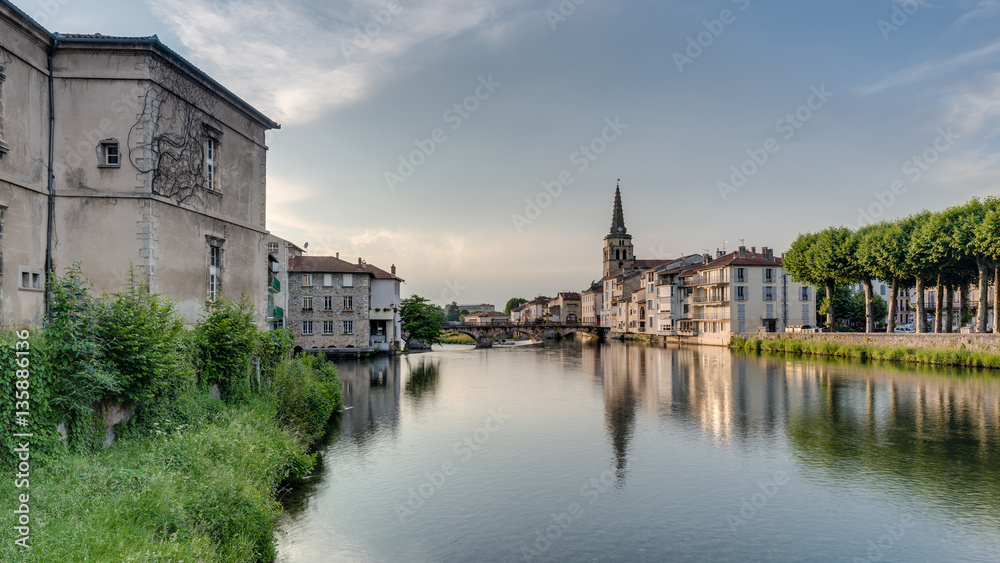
(334, 304)
(146, 162)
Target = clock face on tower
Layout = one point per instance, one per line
(619, 229)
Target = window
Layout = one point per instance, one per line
(742, 326)
(31, 279)
(882, 290)
(768, 275)
(804, 294)
(741, 293)
(348, 327)
(214, 268)
(805, 314)
(307, 303)
(307, 280)
(741, 274)
(348, 280)
(272, 247)
(741, 312)
(211, 164)
(768, 293)
(327, 327)
(348, 303)
(327, 280)
(770, 311)
(307, 328)
(3, 147)
(328, 303)
(108, 154)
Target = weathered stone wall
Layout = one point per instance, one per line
(980, 342)
(359, 313)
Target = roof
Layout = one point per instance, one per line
(333, 265)
(566, 296)
(487, 314)
(733, 259)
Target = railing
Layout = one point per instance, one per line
(711, 300)
(275, 286)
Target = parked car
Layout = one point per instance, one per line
(803, 328)
(905, 328)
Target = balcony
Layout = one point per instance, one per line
(710, 300)
(275, 285)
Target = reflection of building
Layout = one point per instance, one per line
(125, 154)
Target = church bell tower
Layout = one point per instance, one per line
(618, 253)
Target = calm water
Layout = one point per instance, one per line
(615, 452)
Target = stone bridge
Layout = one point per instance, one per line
(485, 335)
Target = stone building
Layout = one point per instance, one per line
(115, 151)
(334, 304)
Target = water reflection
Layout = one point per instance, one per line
(893, 440)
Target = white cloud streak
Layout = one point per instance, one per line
(928, 69)
(296, 60)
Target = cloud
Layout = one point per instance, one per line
(296, 60)
(928, 69)
(975, 107)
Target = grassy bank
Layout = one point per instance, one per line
(203, 491)
(960, 357)
(457, 338)
(211, 421)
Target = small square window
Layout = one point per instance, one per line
(31, 279)
(109, 154)
(272, 248)
(307, 280)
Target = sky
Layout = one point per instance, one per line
(477, 144)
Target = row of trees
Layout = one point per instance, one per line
(953, 250)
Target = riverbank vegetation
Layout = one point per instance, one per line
(960, 357)
(457, 338)
(951, 250)
(212, 421)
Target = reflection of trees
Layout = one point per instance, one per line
(423, 378)
(939, 436)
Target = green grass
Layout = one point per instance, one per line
(201, 492)
(960, 357)
(457, 338)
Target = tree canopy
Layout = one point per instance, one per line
(421, 320)
(512, 303)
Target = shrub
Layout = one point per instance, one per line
(307, 391)
(272, 349)
(225, 339)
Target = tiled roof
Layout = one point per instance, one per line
(102, 36)
(333, 265)
(733, 259)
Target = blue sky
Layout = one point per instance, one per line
(733, 119)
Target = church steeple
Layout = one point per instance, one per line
(618, 252)
(618, 216)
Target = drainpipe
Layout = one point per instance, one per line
(52, 200)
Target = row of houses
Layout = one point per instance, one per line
(117, 153)
(700, 296)
(565, 308)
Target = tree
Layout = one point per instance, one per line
(421, 320)
(822, 259)
(512, 303)
(882, 252)
(865, 266)
(986, 250)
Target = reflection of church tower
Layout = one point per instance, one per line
(618, 253)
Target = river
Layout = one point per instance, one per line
(622, 452)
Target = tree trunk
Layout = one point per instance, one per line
(830, 316)
(963, 304)
(920, 322)
(984, 288)
(939, 306)
(890, 325)
(949, 309)
(869, 314)
(996, 298)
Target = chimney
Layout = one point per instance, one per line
(706, 258)
(768, 253)
(753, 251)
(359, 263)
(743, 252)
(392, 270)
(338, 256)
